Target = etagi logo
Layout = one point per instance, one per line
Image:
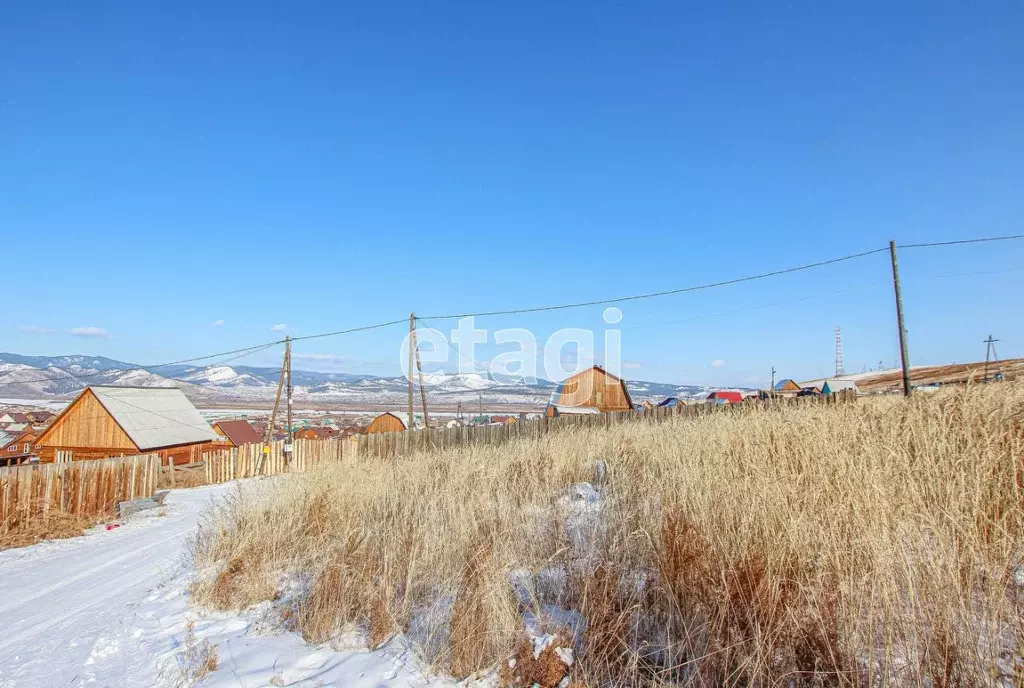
(563, 353)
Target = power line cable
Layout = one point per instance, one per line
(539, 309)
(667, 292)
(959, 242)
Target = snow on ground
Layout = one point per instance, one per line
(111, 608)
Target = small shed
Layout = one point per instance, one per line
(594, 388)
(386, 422)
(833, 386)
(106, 421)
(236, 432)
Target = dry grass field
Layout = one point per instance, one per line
(956, 373)
(878, 543)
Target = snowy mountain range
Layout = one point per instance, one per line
(48, 377)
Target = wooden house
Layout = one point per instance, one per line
(311, 433)
(41, 417)
(786, 387)
(386, 422)
(593, 388)
(235, 433)
(105, 421)
(17, 447)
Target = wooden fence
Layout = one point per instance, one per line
(83, 488)
(391, 444)
(242, 462)
(230, 464)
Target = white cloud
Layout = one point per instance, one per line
(217, 323)
(718, 363)
(90, 332)
(319, 357)
(632, 366)
(37, 329)
(279, 328)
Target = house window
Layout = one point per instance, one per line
(12, 448)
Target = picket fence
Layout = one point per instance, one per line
(83, 488)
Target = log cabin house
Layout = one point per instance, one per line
(106, 422)
(591, 388)
(386, 422)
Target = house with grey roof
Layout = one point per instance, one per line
(106, 421)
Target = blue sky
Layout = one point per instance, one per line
(166, 166)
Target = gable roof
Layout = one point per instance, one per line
(18, 417)
(725, 395)
(239, 432)
(153, 416)
(837, 385)
(786, 386)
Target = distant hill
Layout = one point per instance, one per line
(47, 377)
(891, 379)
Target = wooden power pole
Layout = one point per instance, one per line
(414, 343)
(288, 369)
(412, 354)
(904, 354)
(273, 416)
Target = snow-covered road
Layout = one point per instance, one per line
(112, 608)
(58, 598)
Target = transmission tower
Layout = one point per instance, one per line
(839, 352)
(991, 355)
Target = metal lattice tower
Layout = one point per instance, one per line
(839, 351)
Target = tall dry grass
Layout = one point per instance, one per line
(872, 544)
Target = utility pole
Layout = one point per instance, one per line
(480, 398)
(773, 378)
(990, 351)
(288, 369)
(273, 416)
(414, 343)
(412, 338)
(904, 355)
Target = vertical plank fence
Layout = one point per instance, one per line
(229, 464)
(82, 488)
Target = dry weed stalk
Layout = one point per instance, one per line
(871, 544)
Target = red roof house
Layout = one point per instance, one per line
(723, 397)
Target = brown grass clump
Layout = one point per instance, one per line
(880, 543)
(22, 529)
(198, 659)
(546, 670)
